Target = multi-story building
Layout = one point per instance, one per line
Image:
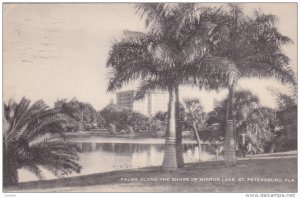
(125, 99)
(152, 103)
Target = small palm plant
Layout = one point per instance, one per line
(32, 139)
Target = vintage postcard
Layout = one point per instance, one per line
(150, 97)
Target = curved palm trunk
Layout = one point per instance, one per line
(229, 147)
(170, 161)
(179, 147)
(198, 140)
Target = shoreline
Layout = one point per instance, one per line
(104, 138)
(266, 166)
(101, 139)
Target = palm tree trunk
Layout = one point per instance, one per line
(10, 170)
(179, 147)
(170, 161)
(229, 147)
(82, 120)
(198, 141)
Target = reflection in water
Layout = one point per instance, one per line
(104, 157)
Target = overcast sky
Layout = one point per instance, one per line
(55, 51)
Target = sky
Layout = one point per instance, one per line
(57, 51)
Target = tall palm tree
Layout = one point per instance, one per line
(174, 52)
(32, 139)
(254, 44)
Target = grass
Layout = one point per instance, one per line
(264, 173)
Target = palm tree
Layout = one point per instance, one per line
(196, 118)
(255, 46)
(32, 139)
(174, 52)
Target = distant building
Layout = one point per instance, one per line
(149, 105)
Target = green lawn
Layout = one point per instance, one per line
(264, 173)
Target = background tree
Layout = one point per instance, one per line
(253, 122)
(162, 116)
(260, 130)
(84, 114)
(124, 119)
(286, 122)
(158, 124)
(32, 139)
(101, 123)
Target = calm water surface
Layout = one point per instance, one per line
(106, 154)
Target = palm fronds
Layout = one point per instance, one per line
(33, 134)
(155, 16)
(255, 45)
(150, 85)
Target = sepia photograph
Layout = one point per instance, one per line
(150, 97)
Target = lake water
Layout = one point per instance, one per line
(107, 154)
